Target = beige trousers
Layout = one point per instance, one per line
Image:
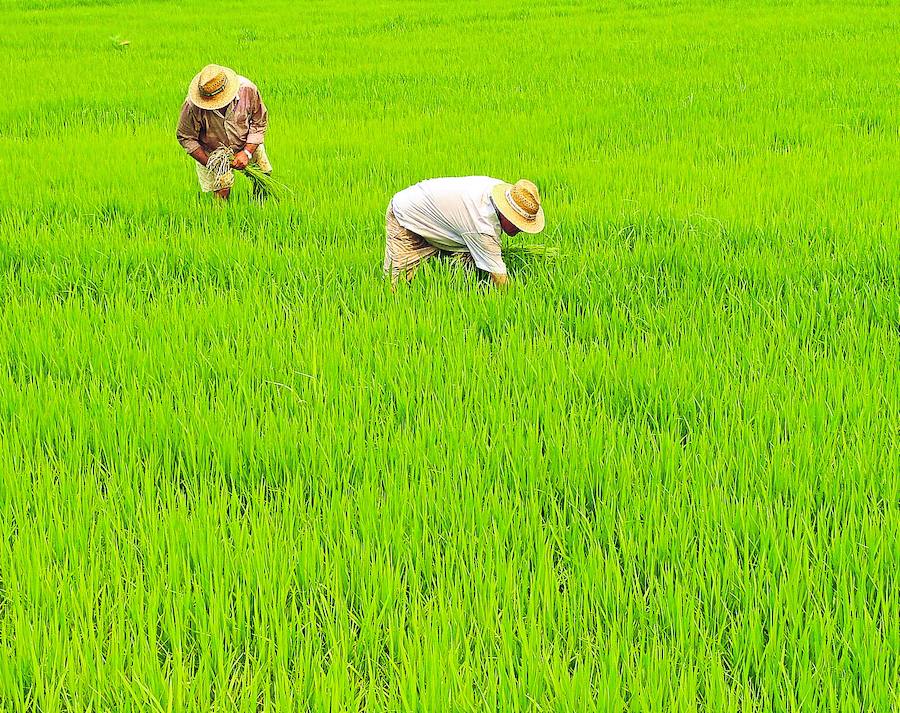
(404, 251)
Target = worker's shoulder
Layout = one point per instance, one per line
(245, 85)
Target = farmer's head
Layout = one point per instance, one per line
(214, 87)
(507, 227)
(518, 207)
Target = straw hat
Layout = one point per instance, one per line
(214, 87)
(520, 205)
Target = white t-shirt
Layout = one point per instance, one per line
(454, 214)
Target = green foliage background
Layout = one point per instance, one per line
(237, 473)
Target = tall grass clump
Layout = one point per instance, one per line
(659, 472)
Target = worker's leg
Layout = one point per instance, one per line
(463, 260)
(404, 251)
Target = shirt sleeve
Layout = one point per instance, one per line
(188, 131)
(259, 120)
(485, 251)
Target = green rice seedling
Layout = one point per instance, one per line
(529, 250)
(660, 472)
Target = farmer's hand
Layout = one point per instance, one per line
(240, 161)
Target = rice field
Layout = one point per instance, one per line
(660, 472)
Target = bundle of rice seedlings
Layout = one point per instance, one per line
(266, 184)
(220, 164)
(530, 250)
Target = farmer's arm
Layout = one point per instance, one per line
(485, 251)
(200, 155)
(259, 122)
(188, 132)
(241, 159)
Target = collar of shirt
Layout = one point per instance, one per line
(223, 112)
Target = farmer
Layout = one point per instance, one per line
(463, 217)
(223, 109)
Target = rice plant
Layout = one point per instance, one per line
(529, 249)
(659, 472)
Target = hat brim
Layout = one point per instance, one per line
(220, 100)
(498, 193)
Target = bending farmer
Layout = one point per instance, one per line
(463, 217)
(223, 109)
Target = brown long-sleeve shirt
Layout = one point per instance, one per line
(245, 121)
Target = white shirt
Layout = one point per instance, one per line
(454, 214)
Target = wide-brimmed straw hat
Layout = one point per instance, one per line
(214, 87)
(520, 205)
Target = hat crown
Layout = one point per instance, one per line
(524, 196)
(212, 80)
